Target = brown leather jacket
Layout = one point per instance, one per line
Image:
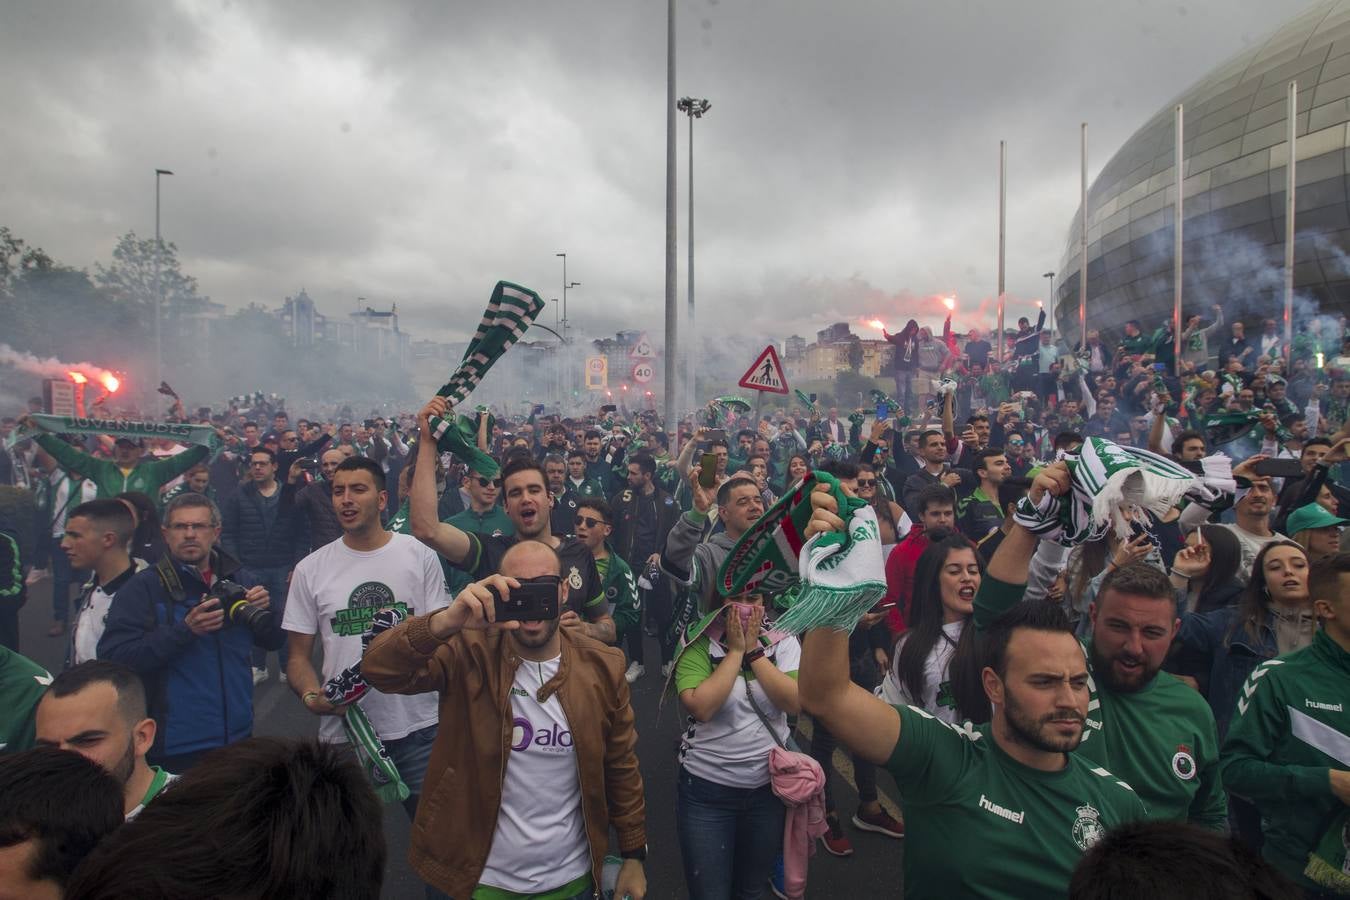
(461, 794)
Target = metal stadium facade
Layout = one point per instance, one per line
(1235, 152)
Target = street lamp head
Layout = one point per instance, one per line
(693, 107)
(163, 172)
(574, 284)
(563, 255)
(1048, 275)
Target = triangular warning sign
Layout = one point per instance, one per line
(766, 374)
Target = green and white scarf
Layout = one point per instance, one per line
(509, 314)
(373, 756)
(1329, 864)
(1112, 486)
(842, 574)
(202, 435)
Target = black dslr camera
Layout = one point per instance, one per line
(239, 611)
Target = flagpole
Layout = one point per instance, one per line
(1082, 254)
(1179, 220)
(1292, 116)
(672, 370)
(1002, 237)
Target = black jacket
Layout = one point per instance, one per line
(315, 521)
(254, 539)
(626, 504)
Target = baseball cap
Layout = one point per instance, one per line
(130, 442)
(1311, 516)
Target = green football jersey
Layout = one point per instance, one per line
(980, 824)
(1163, 742)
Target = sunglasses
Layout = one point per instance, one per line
(488, 482)
(1017, 443)
(589, 522)
(867, 482)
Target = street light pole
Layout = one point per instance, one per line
(672, 311)
(566, 286)
(1051, 276)
(694, 109)
(159, 292)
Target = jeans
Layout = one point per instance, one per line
(410, 755)
(274, 579)
(658, 609)
(729, 837)
(63, 576)
(863, 672)
(864, 772)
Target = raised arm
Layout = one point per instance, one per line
(447, 540)
(861, 720)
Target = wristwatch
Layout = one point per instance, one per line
(304, 698)
(639, 854)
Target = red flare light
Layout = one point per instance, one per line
(877, 324)
(111, 382)
(77, 377)
(949, 302)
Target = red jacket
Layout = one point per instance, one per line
(900, 567)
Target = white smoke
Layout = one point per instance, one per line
(51, 367)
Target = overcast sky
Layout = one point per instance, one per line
(416, 152)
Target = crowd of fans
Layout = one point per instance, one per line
(1147, 709)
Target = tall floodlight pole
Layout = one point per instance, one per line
(672, 311)
(694, 109)
(566, 286)
(1002, 236)
(1179, 226)
(159, 292)
(1289, 232)
(1082, 252)
(1051, 276)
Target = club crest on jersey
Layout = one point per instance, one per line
(1183, 764)
(574, 579)
(1087, 828)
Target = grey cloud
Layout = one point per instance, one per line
(416, 152)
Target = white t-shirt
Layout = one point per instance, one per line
(334, 593)
(937, 696)
(541, 795)
(1250, 545)
(732, 748)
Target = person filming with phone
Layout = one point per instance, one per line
(544, 708)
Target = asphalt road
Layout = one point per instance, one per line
(873, 870)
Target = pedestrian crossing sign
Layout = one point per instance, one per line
(766, 374)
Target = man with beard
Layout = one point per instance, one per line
(97, 709)
(1150, 729)
(528, 506)
(1004, 809)
(523, 810)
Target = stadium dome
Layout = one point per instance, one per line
(1234, 144)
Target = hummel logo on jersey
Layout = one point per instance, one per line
(1318, 704)
(1002, 812)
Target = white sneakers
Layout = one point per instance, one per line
(259, 676)
(635, 671)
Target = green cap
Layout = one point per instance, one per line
(1311, 516)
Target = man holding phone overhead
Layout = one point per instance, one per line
(528, 505)
(541, 709)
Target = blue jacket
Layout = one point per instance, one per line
(1222, 648)
(253, 536)
(199, 689)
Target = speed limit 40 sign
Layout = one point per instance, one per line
(643, 372)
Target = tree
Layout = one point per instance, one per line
(130, 278)
(855, 355)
